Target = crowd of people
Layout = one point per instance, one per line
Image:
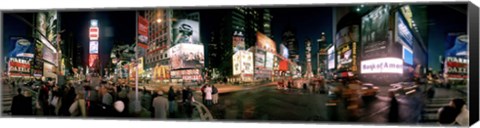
(108, 99)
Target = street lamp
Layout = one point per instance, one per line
(159, 20)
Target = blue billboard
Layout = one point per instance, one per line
(23, 48)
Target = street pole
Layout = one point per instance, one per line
(137, 109)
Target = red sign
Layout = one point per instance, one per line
(91, 59)
(283, 65)
(93, 33)
(142, 26)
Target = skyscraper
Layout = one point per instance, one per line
(289, 40)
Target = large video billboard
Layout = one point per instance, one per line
(19, 67)
(382, 65)
(243, 63)
(47, 25)
(375, 34)
(23, 47)
(456, 58)
(92, 58)
(284, 51)
(187, 56)
(331, 57)
(269, 61)
(186, 31)
(347, 35)
(260, 59)
(49, 56)
(264, 42)
(238, 41)
(93, 47)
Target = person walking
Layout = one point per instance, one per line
(393, 115)
(18, 103)
(171, 101)
(214, 94)
(462, 113)
(188, 104)
(78, 108)
(208, 95)
(160, 104)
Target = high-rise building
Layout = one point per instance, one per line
(158, 35)
(289, 40)
(238, 24)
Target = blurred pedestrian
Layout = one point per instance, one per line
(203, 93)
(160, 104)
(171, 101)
(184, 94)
(214, 94)
(147, 100)
(208, 95)
(393, 115)
(19, 104)
(461, 112)
(78, 108)
(119, 107)
(188, 104)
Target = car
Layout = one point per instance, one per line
(369, 90)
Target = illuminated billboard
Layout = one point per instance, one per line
(23, 47)
(331, 57)
(269, 61)
(93, 47)
(18, 67)
(260, 59)
(92, 58)
(187, 56)
(374, 32)
(238, 41)
(264, 42)
(93, 33)
(284, 51)
(382, 65)
(407, 56)
(47, 25)
(49, 56)
(186, 31)
(243, 63)
(347, 35)
(49, 70)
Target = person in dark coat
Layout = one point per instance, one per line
(171, 101)
(393, 115)
(188, 104)
(43, 99)
(18, 103)
(446, 115)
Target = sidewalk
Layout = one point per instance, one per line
(222, 88)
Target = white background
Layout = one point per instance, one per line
(89, 4)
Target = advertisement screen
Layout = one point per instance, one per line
(142, 35)
(47, 25)
(93, 33)
(49, 56)
(260, 59)
(264, 42)
(238, 41)
(243, 63)
(92, 58)
(269, 61)
(331, 57)
(403, 32)
(382, 65)
(93, 47)
(456, 61)
(407, 56)
(23, 47)
(375, 33)
(186, 31)
(346, 35)
(284, 51)
(187, 56)
(19, 66)
(49, 71)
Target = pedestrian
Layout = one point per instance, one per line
(78, 108)
(171, 101)
(445, 115)
(160, 104)
(18, 103)
(147, 100)
(208, 95)
(43, 99)
(215, 94)
(188, 104)
(461, 112)
(431, 93)
(393, 115)
(184, 94)
(119, 107)
(203, 93)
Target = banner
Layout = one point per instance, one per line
(382, 65)
(142, 35)
(260, 58)
(242, 63)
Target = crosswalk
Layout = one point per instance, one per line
(430, 111)
(7, 98)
